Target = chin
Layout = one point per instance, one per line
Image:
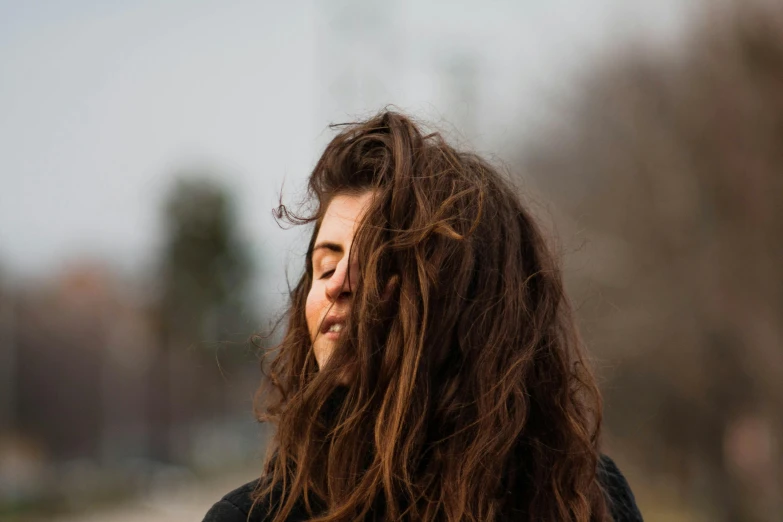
(322, 355)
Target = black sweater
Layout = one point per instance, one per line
(235, 506)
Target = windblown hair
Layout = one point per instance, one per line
(469, 397)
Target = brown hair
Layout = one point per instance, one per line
(469, 397)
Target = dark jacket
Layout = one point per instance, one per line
(235, 506)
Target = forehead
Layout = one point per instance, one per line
(342, 217)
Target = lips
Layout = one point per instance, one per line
(336, 321)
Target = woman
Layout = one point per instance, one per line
(431, 370)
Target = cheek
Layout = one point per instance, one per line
(313, 308)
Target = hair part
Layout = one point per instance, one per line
(470, 397)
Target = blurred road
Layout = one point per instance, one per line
(188, 502)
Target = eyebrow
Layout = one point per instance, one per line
(328, 245)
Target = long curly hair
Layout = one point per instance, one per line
(469, 396)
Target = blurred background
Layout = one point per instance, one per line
(143, 145)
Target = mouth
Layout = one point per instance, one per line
(332, 326)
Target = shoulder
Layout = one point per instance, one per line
(235, 506)
(622, 503)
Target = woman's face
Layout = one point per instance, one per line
(329, 299)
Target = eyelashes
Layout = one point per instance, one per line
(327, 274)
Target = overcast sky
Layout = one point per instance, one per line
(101, 102)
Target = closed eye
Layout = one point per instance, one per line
(327, 274)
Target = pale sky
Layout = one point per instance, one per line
(100, 102)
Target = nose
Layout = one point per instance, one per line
(339, 285)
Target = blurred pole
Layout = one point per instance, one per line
(175, 419)
(459, 74)
(7, 363)
(125, 420)
(107, 398)
(359, 51)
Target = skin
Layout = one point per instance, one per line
(330, 295)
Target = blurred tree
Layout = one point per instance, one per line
(669, 168)
(206, 268)
(203, 303)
